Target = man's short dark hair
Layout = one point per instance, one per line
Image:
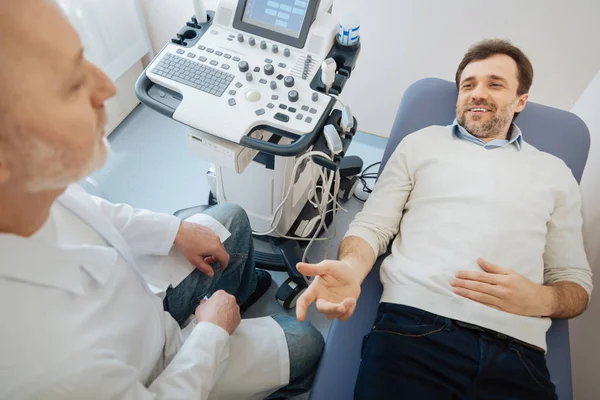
(487, 48)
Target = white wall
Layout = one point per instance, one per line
(112, 32)
(115, 39)
(585, 337)
(119, 107)
(405, 40)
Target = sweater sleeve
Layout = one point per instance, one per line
(379, 221)
(564, 254)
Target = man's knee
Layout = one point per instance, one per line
(231, 216)
(305, 345)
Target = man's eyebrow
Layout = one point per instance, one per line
(492, 77)
(497, 78)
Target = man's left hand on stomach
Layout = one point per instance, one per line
(504, 289)
(201, 246)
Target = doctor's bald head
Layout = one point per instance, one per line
(52, 112)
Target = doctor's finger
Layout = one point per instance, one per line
(303, 303)
(331, 310)
(210, 259)
(204, 267)
(220, 254)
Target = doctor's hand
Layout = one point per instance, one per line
(335, 290)
(504, 289)
(201, 246)
(221, 310)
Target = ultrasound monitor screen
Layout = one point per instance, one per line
(282, 16)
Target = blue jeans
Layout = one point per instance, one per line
(305, 343)
(413, 354)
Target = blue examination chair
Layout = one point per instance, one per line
(432, 102)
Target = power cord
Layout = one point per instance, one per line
(277, 215)
(320, 196)
(321, 203)
(329, 180)
(364, 177)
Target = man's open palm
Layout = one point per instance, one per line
(335, 290)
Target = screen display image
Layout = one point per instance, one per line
(282, 16)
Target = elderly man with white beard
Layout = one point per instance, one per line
(83, 317)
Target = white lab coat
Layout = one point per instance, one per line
(81, 322)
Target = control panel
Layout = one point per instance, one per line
(251, 68)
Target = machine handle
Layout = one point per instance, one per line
(285, 150)
(299, 146)
(142, 85)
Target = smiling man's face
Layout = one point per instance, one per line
(488, 98)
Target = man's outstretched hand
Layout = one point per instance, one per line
(335, 289)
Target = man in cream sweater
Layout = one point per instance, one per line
(486, 248)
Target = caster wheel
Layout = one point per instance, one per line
(347, 188)
(289, 292)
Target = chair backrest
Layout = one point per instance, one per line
(432, 101)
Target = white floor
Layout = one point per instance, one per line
(150, 167)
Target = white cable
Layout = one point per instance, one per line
(322, 203)
(323, 208)
(336, 204)
(313, 191)
(277, 215)
(330, 182)
(317, 231)
(338, 207)
(326, 198)
(338, 99)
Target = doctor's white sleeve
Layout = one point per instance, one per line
(192, 373)
(145, 231)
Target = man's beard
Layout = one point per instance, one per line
(492, 128)
(52, 168)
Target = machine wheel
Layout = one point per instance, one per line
(288, 293)
(347, 188)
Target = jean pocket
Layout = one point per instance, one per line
(364, 344)
(410, 325)
(535, 364)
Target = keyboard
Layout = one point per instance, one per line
(194, 74)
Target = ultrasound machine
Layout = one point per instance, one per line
(258, 84)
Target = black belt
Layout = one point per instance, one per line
(497, 335)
